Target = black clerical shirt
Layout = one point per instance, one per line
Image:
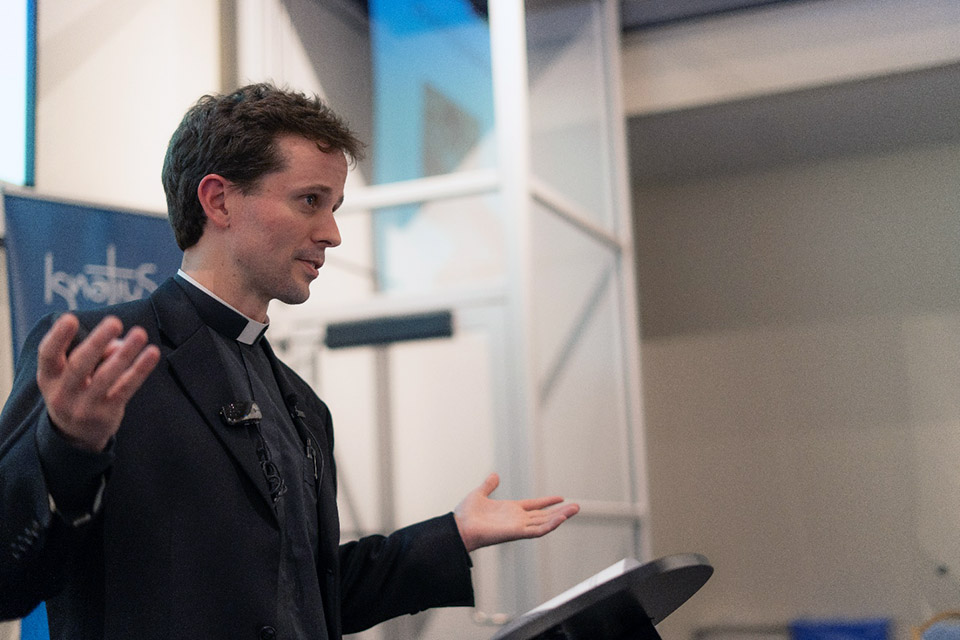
(243, 353)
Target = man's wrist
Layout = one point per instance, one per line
(468, 542)
(74, 476)
(75, 441)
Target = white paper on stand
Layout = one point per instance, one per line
(611, 572)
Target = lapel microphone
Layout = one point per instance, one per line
(241, 414)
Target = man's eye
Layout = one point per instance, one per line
(310, 200)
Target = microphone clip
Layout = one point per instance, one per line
(240, 414)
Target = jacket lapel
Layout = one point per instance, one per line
(195, 363)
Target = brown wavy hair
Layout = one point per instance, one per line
(234, 135)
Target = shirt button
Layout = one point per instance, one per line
(267, 633)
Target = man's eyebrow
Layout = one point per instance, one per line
(315, 188)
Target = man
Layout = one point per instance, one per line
(178, 480)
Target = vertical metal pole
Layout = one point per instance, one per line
(387, 477)
(517, 441)
(628, 302)
(404, 627)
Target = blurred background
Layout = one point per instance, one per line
(702, 260)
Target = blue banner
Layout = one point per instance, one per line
(65, 256)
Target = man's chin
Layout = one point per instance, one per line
(295, 297)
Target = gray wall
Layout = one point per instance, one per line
(801, 366)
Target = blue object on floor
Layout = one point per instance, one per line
(865, 629)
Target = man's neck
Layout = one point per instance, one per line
(209, 285)
(220, 315)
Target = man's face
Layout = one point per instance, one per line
(280, 229)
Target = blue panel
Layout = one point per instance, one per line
(63, 256)
(34, 626)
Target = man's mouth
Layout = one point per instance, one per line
(313, 264)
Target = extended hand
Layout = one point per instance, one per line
(86, 391)
(483, 521)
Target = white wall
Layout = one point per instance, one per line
(114, 78)
(800, 329)
(800, 370)
(10, 630)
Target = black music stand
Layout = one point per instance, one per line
(625, 607)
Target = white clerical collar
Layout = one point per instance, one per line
(222, 316)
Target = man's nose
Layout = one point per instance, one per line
(327, 232)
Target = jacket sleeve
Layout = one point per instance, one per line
(49, 492)
(418, 567)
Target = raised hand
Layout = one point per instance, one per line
(483, 521)
(86, 390)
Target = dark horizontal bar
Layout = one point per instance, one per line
(381, 331)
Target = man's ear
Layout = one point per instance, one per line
(212, 193)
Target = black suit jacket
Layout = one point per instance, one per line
(187, 543)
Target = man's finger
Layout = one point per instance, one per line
(117, 358)
(531, 504)
(489, 484)
(52, 351)
(84, 359)
(112, 348)
(552, 524)
(132, 379)
(542, 527)
(569, 510)
(562, 513)
(552, 518)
